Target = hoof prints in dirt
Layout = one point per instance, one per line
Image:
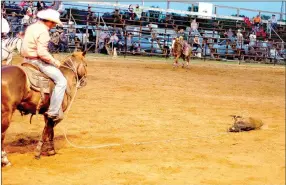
(24, 142)
(28, 144)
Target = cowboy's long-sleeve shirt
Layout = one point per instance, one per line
(35, 42)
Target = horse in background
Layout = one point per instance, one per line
(181, 50)
(8, 46)
(28, 90)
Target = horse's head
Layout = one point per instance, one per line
(78, 64)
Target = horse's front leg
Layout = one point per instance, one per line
(46, 145)
(175, 64)
(4, 158)
(9, 59)
(188, 61)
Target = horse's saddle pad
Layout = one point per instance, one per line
(38, 80)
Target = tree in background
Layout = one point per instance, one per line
(265, 17)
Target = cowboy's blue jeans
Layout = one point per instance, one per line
(61, 84)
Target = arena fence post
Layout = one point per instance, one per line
(97, 35)
(86, 37)
(125, 38)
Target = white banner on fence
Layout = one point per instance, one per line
(205, 10)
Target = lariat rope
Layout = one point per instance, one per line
(78, 82)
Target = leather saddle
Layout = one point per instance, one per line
(38, 80)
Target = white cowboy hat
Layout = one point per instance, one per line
(50, 15)
(5, 26)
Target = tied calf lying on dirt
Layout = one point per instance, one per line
(245, 124)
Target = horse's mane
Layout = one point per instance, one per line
(178, 45)
(69, 60)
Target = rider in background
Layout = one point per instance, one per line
(35, 51)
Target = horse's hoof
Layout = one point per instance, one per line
(37, 157)
(6, 164)
(49, 153)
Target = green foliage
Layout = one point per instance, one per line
(265, 17)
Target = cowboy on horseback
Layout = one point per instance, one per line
(35, 51)
(181, 49)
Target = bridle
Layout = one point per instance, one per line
(70, 65)
(12, 43)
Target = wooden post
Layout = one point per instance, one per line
(140, 35)
(86, 36)
(193, 8)
(125, 39)
(68, 27)
(215, 10)
(168, 4)
(237, 13)
(97, 34)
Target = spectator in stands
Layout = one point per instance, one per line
(113, 41)
(101, 40)
(117, 18)
(229, 34)
(239, 37)
(265, 43)
(273, 22)
(90, 16)
(194, 27)
(34, 19)
(71, 30)
(196, 43)
(25, 22)
(22, 4)
(131, 12)
(138, 11)
(55, 5)
(61, 9)
(31, 10)
(129, 43)
(14, 24)
(257, 21)
(63, 43)
(181, 32)
(41, 5)
(169, 19)
(252, 38)
(55, 39)
(77, 43)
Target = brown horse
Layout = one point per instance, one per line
(181, 50)
(17, 94)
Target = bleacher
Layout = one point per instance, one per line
(170, 23)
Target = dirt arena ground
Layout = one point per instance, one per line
(171, 125)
